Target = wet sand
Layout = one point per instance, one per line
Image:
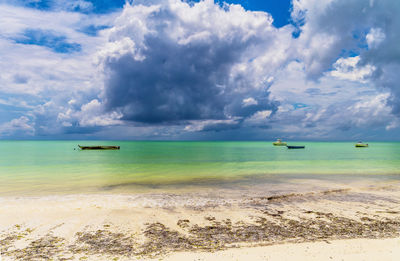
(308, 219)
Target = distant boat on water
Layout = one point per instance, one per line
(99, 147)
(279, 142)
(296, 147)
(361, 145)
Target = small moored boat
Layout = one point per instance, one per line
(99, 147)
(295, 147)
(279, 142)
(361, 145)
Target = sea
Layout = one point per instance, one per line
(60, 167)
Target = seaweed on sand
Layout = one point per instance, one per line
(224, 234)
(8, 239)
(160, 239)
(104, 242)
(44, 248)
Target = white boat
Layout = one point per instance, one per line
(361, 145)
(279, 142)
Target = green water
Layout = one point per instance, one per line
(51, 167)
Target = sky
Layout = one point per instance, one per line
(200, 70)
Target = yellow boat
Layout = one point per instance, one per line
(361, 145)
(279, 143)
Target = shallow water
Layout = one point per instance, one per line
(58, 167)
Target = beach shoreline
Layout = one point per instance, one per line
(165, 225)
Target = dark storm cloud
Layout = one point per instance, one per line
(222, 126)
(178, 81)
(173, 83)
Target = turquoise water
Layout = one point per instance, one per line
(51, 167)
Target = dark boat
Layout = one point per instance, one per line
(99, 147)
(295, 147)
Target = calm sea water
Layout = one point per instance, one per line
(51, 167)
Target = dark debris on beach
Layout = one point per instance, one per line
(218, 235)
(270, 226)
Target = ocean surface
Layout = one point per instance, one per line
(59, 167)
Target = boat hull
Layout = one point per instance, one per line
(99, 147)
(361, 145)
(279, 143)
(296, 147)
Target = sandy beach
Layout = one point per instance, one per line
(348, 249)
(356, 221)
(199, 130)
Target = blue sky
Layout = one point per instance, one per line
(84, 6)
(279, 9)
(201, 70)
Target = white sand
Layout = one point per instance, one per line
(64, 216)
(352, 250)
